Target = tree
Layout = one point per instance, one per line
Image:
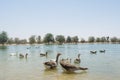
(23, 41)
(60, 39)
(103, 39)
(98, 39)
(10, 41)
(107, 38)
(38, 39)
(48, 38)
(68, 40)
(82, 40)
(3, 37)
(114, 39)
(91, 39)
(75, 39)
(17, 40)
(32, 39)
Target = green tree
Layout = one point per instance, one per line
(38, 39)
(32, 39)
(48, 38)
(68, 40)
(91, 39)
(60, 39)
(75, 39)
(17, 40)
(82, 40)
(107, 38)
(3, 37)
(98, 39)
(114, 39)
(10, 41)
(103, 39)
(23, 41)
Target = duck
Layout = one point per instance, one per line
(69, 67)
(77, 60)
(52, 64)
(102, 51)
(41, 54)
(23, 56)
(93, 52)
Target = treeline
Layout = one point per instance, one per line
(59, 39)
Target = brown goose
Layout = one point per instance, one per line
(69, 67)
(52, 64)
(77, 60)
(41, 54)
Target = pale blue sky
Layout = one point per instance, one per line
(23, 18)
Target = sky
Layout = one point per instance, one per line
(84, 18)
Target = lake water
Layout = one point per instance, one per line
(101, 66)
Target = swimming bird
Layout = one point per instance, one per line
(77, 60)
(69, 67)
(13, 54)
(41, 54)
(52, 64)
(23, 56)
(93, 52)
(102, 51)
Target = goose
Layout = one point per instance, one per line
(69, 67)
(13, 54)
(102, 51)
(41, 54)
(22, 56)
(77, 60)
(52, 64)
(93, 52)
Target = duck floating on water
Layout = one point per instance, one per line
(13, 54)
(93, 52)
(41, 54)
(102, 51)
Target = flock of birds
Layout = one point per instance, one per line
(94, 52)
(65, 63)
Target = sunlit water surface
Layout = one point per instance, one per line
(101, 66)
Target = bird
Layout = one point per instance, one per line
(23, 56)
(13, 54)
(69, 67)
(102, 51)
(77, 60)
(52, 64)
(93, 52)
(41, 54)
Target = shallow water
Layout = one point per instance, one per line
(101, 66)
